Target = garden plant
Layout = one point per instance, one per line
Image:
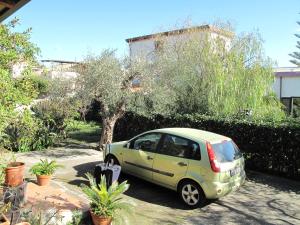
(106, 203)
(44, 171)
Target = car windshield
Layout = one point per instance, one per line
(226, 151)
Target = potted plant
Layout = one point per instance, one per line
(10, 170)
(44, 171)
(107, 204)
(14, 174)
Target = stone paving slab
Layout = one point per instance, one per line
(53, 196)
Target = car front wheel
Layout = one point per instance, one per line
(112, 160)
(192, 194)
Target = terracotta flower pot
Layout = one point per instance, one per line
(43, 180)
(14, 174)
(3, 220)
(99, 220)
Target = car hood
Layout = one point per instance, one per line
(118, 143)
(113, 147)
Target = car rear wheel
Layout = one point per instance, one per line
(192, 194)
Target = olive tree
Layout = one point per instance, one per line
(109, 81)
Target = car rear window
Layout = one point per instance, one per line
(226, 151)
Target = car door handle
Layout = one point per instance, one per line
(149, 157)
(182, 164)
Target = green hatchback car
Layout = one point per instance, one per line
(198, 164)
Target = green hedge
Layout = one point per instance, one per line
(267, 146)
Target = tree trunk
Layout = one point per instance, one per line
(108, 125)
(83, 112)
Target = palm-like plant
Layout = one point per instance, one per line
(45, 167)
(107, 202)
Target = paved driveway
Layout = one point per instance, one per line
(262, 200)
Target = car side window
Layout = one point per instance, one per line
(180, 147)
(147, 142)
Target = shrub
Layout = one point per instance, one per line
(37, 130)
(27, 133)
(267, 146)
(54, 114)
(40, 83)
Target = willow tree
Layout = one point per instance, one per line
(223, 75)
(109, 80)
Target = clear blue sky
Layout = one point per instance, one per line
(70, 29)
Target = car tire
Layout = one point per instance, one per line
(112, 160)
(191, 194)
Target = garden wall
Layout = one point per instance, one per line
(267, 147)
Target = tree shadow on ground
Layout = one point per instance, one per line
(279, 183)
(152, 193)
(82, 169)
(275, 204)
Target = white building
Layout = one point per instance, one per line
(61, 69)
(147, 45)
(287, 87)
(18, 68)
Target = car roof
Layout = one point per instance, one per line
(193, 134)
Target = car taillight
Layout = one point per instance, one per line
(212, 158)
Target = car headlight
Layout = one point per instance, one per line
(107, 149)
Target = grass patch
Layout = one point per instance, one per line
(87, 132)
